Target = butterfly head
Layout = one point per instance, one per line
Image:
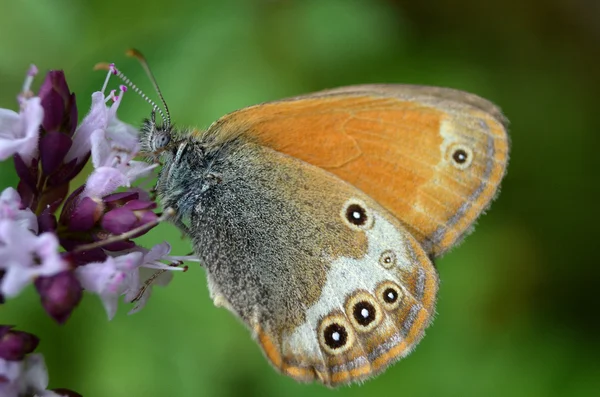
(156, 138)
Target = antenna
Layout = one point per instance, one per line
(113, 70)
(138, 55)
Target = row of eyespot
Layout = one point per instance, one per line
(363, 311)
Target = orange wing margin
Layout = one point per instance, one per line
(395, 143)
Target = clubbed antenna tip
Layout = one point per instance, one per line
(132, 52)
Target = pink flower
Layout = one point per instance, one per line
(113, 165)
(27, 377)
(133, 273)
(96, 119)
(19, 132)
(113, 145)
(154, 272)
(121, 136)
(10, 208)
(111, 278)
(25, 256)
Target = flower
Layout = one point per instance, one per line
(19, 132)
(14, 345)
(60, 294)
(131, 273)
(25, 256)
(113, 145)
(94, 220)
(133, 214)
(60, 110)
(27, 377)
(10, 208)
(111, 278)
(113, 165)
(154, 272)
(23, 373)
(96, 119)
(96, 227)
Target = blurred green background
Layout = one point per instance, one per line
(518, 313)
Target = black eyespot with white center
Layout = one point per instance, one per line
(390, 295)
(335, 335)
(356, 215)
(364, 313)
(388, 259)
(461, 156)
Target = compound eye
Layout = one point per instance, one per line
(161, 140)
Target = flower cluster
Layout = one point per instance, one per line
(65, 240)
(22, 373)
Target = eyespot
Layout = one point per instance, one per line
(390, 295)
(460, 156)
(335, 334)
(356, 215)
(161, 139)
(388, 259)
(363, 311)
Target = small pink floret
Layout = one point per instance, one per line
(33, 70)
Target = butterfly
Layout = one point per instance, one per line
(318, 217)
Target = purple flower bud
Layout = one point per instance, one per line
(14, 345)
(54, 145)
(28, 184)
(60, 110)
(136, 205)
(131, 215)
(47, 221)
(145, 218)
(59, 294)
(69, 205)
(116, 200)
(66, 392)
(119, 220)
(2, 274)
(85, 215)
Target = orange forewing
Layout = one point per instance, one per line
(394, 143)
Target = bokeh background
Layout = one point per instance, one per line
(518, 312)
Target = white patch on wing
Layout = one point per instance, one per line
(347, 275)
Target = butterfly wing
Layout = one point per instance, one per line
(433, 157)
(333, 287)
